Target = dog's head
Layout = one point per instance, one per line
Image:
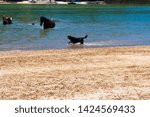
(69, 36)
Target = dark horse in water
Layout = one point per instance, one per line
(7, 20)
(48, 23)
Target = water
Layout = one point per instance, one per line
(110, 25)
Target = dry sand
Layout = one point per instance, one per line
(96, 73)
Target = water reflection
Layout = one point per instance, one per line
(77, 46)
(44, 32)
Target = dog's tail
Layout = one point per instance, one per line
(85, 36)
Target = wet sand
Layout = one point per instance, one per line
(93, 73)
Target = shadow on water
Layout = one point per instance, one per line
(44, 32)
(77, 46)
(4, 28)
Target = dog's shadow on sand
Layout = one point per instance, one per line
(76, 46)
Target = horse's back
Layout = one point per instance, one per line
(52, 24)
(49, 24)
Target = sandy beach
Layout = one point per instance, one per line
(91, 73)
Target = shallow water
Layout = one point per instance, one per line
(110, 25)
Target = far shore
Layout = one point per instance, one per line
(119, 73)
(23, 2)
(56, 2)
(82, 3)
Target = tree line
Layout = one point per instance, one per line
(128, 1)
(108, 1)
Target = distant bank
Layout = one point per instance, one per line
(128, 1)
(52, 2)
(75, 1)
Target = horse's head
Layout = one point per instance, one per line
(42, 19)
(3, 17)
(48, 23)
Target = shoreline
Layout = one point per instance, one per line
(56, 2)
(118, 73)
(73, 47)
(78, 3)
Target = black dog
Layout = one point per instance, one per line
(7, 20)
(75, 40)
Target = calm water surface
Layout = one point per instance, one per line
(105, 25)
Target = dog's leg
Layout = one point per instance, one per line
(69, 42)
(82, 42)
